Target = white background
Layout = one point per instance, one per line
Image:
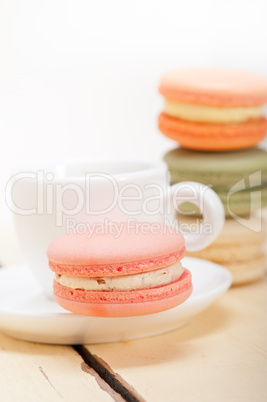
(80, 78)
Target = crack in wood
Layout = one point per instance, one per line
(102, 384)
(114, 380)
(47, 379)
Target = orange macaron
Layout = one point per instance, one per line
(213, 109)
(128, 270)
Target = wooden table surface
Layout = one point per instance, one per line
(221, 355)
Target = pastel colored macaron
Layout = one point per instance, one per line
(239, 247)
(238, 177)
(213, 109)
(135, 270)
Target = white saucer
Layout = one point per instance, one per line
(26, 313)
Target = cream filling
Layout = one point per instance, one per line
(151, 279)
(200, 113)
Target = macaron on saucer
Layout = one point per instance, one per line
(238, 177)
(137, 272)
(27, 313)
(213, 109)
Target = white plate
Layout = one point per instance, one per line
(26, 313)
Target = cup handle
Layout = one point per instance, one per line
(210, 206)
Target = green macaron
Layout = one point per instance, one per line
(238, 177)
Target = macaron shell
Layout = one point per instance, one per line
(239, 203)
(127, 303)
(119, 268)
(222, 171)
(213, 86)
(237, 240)
(211, 136)
(238, 248)
(247, 271)
(228, 253)
(139, 247)
(244, 202)
(122, 310)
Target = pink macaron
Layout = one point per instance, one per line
(125, 269)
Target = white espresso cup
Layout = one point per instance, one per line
(52, 199)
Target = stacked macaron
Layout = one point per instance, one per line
(217, 117)
(213, 109)
(238, 177)
(135, 272)
(239, 247)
